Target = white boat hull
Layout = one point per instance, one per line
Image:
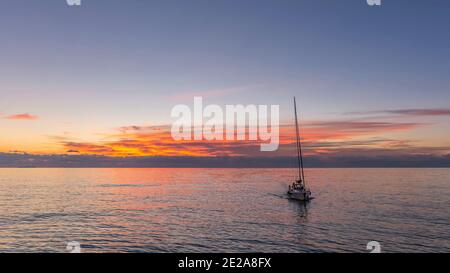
(301, 196)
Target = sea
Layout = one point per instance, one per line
(223, 210)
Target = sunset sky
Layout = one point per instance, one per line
(102, 78)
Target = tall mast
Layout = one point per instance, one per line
(299, 147)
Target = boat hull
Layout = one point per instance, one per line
(299, 196)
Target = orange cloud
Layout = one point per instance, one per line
(322, 137)
(343, 130)
(25, 116)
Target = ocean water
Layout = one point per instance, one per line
(223, 210)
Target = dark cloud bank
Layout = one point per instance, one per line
(87, 161)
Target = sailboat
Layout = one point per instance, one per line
(298, 189)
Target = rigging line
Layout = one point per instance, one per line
(299, 148)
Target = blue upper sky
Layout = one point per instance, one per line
(111, 63)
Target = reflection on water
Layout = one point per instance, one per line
(302, 208)
(215, 210)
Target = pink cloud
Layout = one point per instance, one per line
(210, 93)
(408, 112)
(24, 116)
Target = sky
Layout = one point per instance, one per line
(101, 79)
